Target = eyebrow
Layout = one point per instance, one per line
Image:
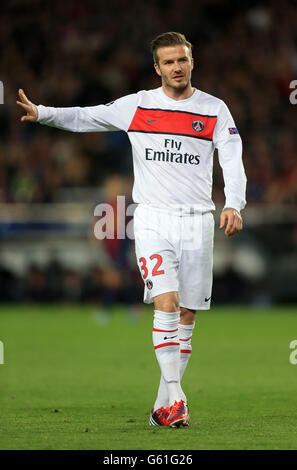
(180, 58)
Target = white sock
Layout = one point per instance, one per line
(166, 344)
(162, 399)
(185, 335)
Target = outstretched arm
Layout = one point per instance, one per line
(113, 116)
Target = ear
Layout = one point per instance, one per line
(157, 69)
(192, 63)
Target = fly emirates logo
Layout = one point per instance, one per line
(172, 154)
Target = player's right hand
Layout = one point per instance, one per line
(30, 108)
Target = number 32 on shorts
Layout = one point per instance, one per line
(155, 271)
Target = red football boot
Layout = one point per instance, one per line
(159, 417)
(178, 415)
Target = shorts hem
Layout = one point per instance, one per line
(161, 291)
(196, 308)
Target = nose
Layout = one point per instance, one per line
(177, 67)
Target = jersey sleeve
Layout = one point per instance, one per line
(228, 142)
(114, 116)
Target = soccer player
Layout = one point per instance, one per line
(174, 130)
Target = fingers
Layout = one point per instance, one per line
(28, 118)
(238, 223)
(234, 225)
(27, 107)
(224, 218)
(23, 97)
(230, 226)
(234, 222)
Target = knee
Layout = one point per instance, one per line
(187, 316)
(167, 302)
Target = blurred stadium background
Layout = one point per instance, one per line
(85, 52)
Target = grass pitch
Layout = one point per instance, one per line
(72, 382)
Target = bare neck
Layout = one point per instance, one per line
(176, 94)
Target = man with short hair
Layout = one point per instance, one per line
(174, 131)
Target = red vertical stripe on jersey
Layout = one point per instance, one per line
(172, 122)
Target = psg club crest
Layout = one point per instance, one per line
(149, 284)
(198, 126)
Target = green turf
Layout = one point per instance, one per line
(71, 382)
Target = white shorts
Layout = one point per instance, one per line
(175, 253)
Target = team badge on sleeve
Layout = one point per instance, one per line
(233, 130)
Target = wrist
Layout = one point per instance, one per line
(231, 209)
(235, 212)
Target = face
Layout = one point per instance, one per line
(175, 66)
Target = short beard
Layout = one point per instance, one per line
(180, 87)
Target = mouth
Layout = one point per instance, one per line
(178, 77)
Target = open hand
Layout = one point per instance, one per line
(30, 108)
(233, 220)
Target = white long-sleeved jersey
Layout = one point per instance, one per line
(172, 144)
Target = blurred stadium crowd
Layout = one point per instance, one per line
(85, 52)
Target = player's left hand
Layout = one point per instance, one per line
(233, 220)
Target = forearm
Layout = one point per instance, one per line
(234, 176)
(74, 119)
(235, 189)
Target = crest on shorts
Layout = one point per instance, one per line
(149, 284)
(198, 126)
